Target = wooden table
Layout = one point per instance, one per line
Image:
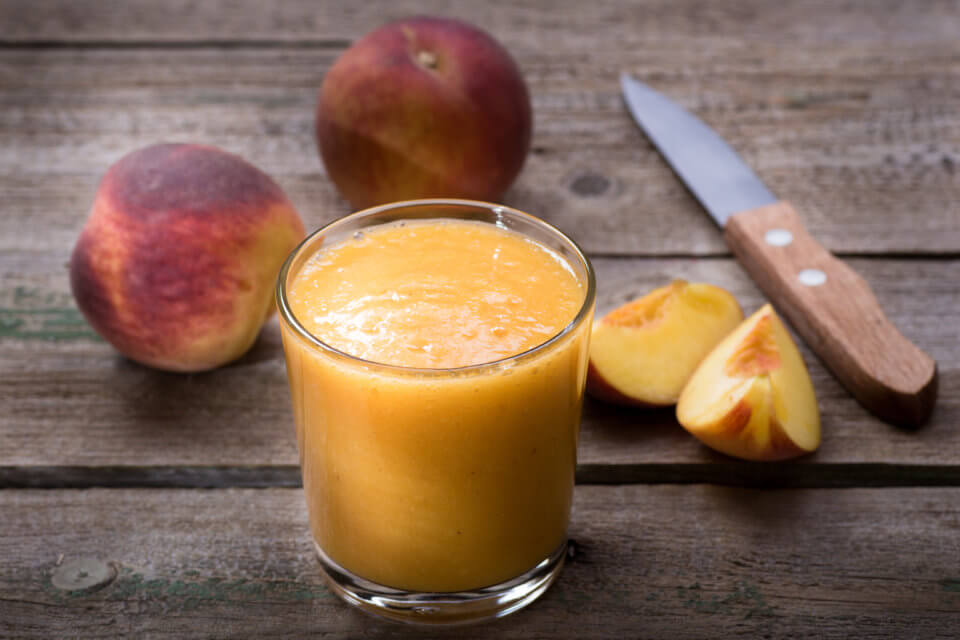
(184, 490)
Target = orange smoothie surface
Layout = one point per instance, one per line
(435, 294)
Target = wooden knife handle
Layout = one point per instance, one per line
(835, 311)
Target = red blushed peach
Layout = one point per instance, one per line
(423, 107)
(176, 265)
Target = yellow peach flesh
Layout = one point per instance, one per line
(752, 397)
(645, 351)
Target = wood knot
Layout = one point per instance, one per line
(590, 185)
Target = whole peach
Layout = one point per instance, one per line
(423, 107)
(176, 265)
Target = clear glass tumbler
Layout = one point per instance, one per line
(439, 496)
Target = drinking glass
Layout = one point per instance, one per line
(439, 496)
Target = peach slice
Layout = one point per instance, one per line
(644, 352)
(752, 397)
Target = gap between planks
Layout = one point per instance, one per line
(934, 256)
(325, 43)
(731, 474)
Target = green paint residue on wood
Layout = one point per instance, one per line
(951, 584)
(193, 591)
(28, 314)
(746, 599)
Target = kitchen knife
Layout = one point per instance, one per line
(829, 304)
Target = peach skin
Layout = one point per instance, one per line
(176, 264)
(420, 108)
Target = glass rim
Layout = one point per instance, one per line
(286, 313)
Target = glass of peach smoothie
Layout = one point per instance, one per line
(437, 352)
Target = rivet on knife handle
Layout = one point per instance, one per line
(836, 313)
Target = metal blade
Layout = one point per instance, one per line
(710, 168)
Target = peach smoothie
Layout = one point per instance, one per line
(437, 378)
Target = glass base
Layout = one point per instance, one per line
(462, 607)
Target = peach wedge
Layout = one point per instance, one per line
(752, 398)
(644, 352)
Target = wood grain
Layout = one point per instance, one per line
(308, 22)
(72, 402)
(839, 318)
(851, 110)
(863, 133)
(653, 562)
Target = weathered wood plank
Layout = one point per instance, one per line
(305, 21)
(652, 562)
(71, 402)
(863, 135)
(856, 121)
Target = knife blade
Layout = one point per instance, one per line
(830, 305)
